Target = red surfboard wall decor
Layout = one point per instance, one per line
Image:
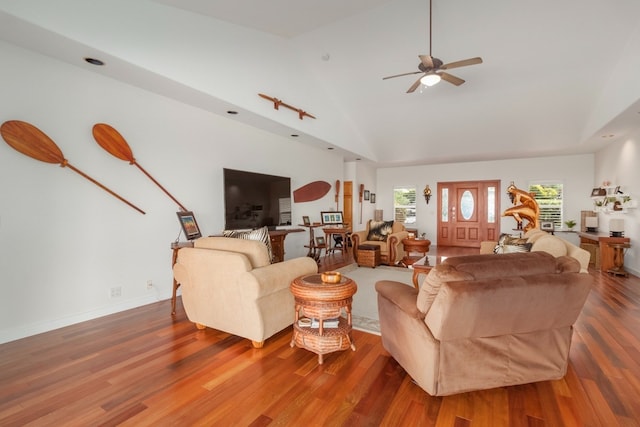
(313, 191)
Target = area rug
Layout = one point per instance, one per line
(364, 309)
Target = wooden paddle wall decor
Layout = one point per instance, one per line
(32, 142)
(115, 144)
(313, 191)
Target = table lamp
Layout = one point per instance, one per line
(591, 222)
(616, 227)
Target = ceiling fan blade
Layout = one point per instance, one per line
(427, 61)
(463, 63)
(400, 75)
(451, 79)
(414, 86)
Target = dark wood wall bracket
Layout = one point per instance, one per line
(277, 103)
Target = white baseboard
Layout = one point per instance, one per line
(24, 331)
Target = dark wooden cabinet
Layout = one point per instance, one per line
(277, 245)
(277, 242)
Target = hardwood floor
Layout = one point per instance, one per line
(145, 367)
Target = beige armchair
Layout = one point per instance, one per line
(229, 284)
(391, 248)
(484, 321)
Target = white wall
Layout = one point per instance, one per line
(66, 242)
(618, 163)
(575, 172)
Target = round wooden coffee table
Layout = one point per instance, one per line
(322, 302)
(420, 246)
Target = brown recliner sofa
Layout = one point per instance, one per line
(484, 321)
(230, 284)
(391, 248)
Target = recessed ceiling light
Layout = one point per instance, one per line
(232, 112)
(295, 135)
(94, 61)
(330, 148)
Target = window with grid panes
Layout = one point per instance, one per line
(549, 194)
(404, 205)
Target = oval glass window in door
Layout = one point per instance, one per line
(467, 205)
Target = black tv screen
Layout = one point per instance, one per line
(253, 200)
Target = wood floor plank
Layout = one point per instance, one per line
(163, 371)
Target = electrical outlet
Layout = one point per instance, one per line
(149, 284)
(115, 292)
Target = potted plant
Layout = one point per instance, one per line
(570, 224)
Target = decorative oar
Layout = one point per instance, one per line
(31, 141)
(337, 192)
(111, 140)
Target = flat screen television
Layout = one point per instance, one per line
(253, 200)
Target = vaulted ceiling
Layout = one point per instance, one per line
(558, 77)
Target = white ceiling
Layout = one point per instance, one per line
(555, 76)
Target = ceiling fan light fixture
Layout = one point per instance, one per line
(430, 79)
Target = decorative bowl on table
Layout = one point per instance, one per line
(331, 277)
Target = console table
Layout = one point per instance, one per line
(343, 231)
(606, 245)
(314, 248)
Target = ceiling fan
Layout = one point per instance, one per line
(432, 67)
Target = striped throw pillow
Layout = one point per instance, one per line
(260, 234)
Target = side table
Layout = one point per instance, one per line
(320, 301)
(421, 266)
(420, 246)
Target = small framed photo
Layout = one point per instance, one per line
(331, 217)
(596, 192)
(373, 198)
(189, 225)
(546, 225)
(320, 241)
(305, 220)
(366, 194)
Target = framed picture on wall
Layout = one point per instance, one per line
(331, 217)
(320, 241)
(373, 197)
(189, 225)
(366, 194)
(305, 220)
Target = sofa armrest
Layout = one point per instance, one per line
(395, 246)
(275, 277)
(357, 237)
(400, 294)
